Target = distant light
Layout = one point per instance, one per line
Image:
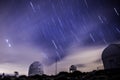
(9, 45)
(7, 40)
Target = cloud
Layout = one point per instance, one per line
(84, 59)
(98, 61)
(80, 65)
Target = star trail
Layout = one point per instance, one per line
(47, 30)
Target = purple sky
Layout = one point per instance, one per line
(71, 31)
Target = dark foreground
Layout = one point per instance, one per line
(77, 75)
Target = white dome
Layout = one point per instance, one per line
(111, 50)
(72, 68)
(111, 56)
(35, 68)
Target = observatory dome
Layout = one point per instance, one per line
(72, 68)
(111, 56)
(36, 68)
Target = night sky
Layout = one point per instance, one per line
(69, 31)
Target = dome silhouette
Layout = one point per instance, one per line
(36, 68)
(72, 68)
(111, 56)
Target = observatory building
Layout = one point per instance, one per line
(35, 68)
(72, 68)
(111, 56)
